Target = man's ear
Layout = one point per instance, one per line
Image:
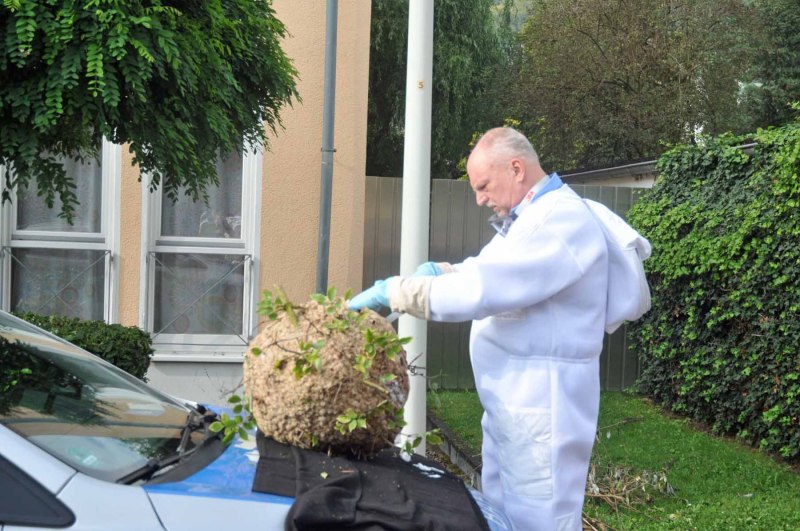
(519, 170)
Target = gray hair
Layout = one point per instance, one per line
(507, 142)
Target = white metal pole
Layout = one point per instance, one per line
(326, 179)
(416, 199)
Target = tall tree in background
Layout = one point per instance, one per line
(606, 81)
(180, 82)
(467, 53)
(775, 77)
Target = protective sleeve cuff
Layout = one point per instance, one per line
(445, 267)
(410, 295)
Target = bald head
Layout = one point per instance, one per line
(502, 167)
(507, 143)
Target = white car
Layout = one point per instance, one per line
(85, 445)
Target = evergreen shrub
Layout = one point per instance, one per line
(721, 343)
(127, 347)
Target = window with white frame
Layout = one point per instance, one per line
(51, 267)
(200, 282)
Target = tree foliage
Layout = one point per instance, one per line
(604, 81)
(180, 81)
(468, 51)
(720, 343)
(774, 80)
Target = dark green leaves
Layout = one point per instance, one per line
(137, 72)
(720, 343)
(127, 347)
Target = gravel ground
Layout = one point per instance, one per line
(433, 453)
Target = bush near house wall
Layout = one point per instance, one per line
(721, 343)
(127, 347)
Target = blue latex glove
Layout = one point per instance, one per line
(428, 269)
(375, 298)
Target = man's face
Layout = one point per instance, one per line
(495, 183)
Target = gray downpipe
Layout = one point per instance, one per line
(326, 186)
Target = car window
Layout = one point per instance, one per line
(86, 412)
(27, 503)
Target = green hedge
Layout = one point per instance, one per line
(721, 343)
(127, 347)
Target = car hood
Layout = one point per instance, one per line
(226, 485)
(229, 476)
(220, 496)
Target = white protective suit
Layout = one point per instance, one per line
(537, 297)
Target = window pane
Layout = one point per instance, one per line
(33, 214)
(198, 294)
(220, 218)
(58, 282)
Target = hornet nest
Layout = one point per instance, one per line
(322, 377)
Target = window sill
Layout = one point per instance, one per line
(188, 354)
(197, 358)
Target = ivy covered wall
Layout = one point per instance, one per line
(721, 343)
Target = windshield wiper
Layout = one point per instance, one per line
(198, 417)
(188, 428)
(149, 468)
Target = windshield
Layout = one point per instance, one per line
(88, 413)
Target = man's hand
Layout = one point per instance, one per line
(374, 298)
(428, 269)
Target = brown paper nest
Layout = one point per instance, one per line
(303, 411)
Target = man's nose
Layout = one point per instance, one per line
(481, 198)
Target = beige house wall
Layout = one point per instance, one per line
(130, 242)
(292, 166)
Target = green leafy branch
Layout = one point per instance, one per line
(341, 318)
(271, 306)
(350, 421)
(309, 359)
(80, 71)
(398, 420)
(386, 342)
(432, 437)
(240, 423)
(378, 342)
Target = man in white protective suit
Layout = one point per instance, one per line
(537, 296)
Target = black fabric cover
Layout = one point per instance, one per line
(382, 493)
